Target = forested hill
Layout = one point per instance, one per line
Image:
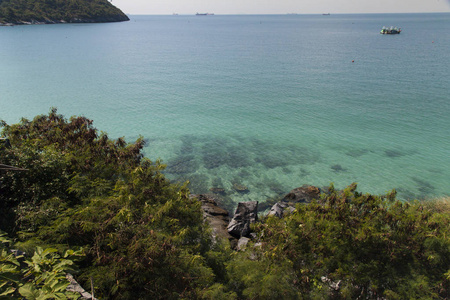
(59, 11)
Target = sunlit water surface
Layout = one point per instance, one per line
(267, 102)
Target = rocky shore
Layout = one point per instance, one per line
(236, 228)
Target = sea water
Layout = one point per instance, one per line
(268, 102)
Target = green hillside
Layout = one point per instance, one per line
(59, 11)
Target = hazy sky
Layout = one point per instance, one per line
(280, 6)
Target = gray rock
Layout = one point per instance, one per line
(280, 208)
(277, 209)
(75, 287)
(335, 285)
(242, 243)
(246, 213)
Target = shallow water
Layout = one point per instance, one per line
(268, 102)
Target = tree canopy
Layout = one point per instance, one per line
(51, 11)
(141, 234)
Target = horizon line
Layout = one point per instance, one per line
(287, 13)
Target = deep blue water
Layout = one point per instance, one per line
(269, 102)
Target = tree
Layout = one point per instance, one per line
(349, 245)
(142, 234)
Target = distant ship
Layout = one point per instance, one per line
(326, 14)
(390, 30)
(204, 14)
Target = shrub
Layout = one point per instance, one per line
(352, 245)
(43, 276)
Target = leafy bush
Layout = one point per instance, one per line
(143, 235)
(352, 245)
(41, 277)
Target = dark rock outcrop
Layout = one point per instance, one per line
(305, 193)
(245, 214)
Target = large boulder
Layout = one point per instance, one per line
(217, 217)
(303, 194)
(246, 213)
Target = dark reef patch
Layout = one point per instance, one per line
(187, 146)
(272, 161)
(304, 172)
(198, 183)
(240, 152)
(216, 153)
(182, 164)
(273, 156)
(423, 186)
(302, 155)
(394, 153)
(357, 152)
(244, 173)
(237, 158)
(276, 187)
(218, 190)
(213, 160)
(406, 194)
(286, 170)
(217, 186)
(338, 168)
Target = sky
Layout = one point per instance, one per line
(164, 7)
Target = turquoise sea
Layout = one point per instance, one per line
(270, 102)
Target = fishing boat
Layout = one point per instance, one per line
(390, 30)
(204, 14)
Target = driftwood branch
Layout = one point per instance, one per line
(10, 168)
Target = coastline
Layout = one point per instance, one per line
(118, 18)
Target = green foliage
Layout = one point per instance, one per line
(143, 235)
(263, 278)
(41, 277)
(352, 245)
(57, 152)
(9, 269)
(218, 292)
(16, 11)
